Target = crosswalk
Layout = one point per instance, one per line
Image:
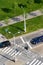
(35, 62)
(11, 51)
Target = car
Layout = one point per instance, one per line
(5, 44)
(37, 40)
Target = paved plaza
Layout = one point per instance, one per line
(16, 54)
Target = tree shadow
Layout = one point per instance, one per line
(38, 1)
(7, 10)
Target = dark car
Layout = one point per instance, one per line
(37, 40)
(5, 44)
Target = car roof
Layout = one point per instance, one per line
(38, 37)
(5, 42)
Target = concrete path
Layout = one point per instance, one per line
(21, 18)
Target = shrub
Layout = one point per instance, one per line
(37, 1)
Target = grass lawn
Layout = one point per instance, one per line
(32, 25)
(11, 8)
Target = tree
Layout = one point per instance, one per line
(6, 20)
(37, 1)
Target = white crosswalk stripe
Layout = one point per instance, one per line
(39, 62)
(6, 50)
(0, 49)
(16, 54)
(36, 62)
(13, 53)
(32, 62)
(20, 53)
(9, 51)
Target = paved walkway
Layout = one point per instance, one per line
(38, 49)
(21, 18)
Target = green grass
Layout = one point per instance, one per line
(15, 9)
(32, 25)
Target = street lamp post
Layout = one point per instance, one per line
(12, 34)
(24, 23)
(13, 37)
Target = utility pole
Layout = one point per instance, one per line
(24, 23)
(24, 16)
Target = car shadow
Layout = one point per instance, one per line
(16, 19)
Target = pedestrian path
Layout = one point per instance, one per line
(20, 18)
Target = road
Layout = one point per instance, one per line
(24, 39)
(18, 52)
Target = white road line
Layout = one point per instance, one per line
(9, 51)
(32, 62)
(22, 39)
(29, 45)
(6, 50)
(39, 63)
(27, 63)
(36, 62)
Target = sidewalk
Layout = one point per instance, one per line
(21, 18)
